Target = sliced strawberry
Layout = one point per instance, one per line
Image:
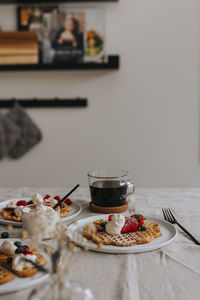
(139, 218)
(130, 225)
(68, 201)
(21, 203)
(110, 217)
(57, 198)
(47, 197)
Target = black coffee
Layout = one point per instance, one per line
(108, 193)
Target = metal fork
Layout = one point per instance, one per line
(170, 218)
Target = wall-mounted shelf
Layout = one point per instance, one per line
(49, 1)
(42, 103)
(112, 64)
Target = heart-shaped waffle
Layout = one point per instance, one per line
(124, 239)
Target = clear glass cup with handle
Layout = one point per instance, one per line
(110, 188)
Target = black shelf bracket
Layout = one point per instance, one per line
(44, 103)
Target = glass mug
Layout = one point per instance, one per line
(110, 188)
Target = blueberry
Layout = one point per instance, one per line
(18, 244)
(100, 229)
(5, 235)
(9, 260)
(103, 224)
(143, 228)
(19, 250)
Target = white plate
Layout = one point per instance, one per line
(76, 209)
(168, 235)
(18, 284)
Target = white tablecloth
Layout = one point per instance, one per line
(170, 273)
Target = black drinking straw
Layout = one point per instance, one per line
(38, 267)
(63, 199)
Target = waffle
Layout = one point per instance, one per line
(124, 239)
(26, 272)
(7, 214)
(65, 210)
(5, 276)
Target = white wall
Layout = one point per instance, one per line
(144, 117)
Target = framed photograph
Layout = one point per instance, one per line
(63, 37)
(95, 33)
(30, 18)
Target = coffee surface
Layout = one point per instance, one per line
(108, 193)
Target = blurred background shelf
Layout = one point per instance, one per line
(112, 64)
(49, 1)
(45, 103)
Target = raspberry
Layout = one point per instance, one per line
(47, 197)
(110, 218)
(27, 253)
(21, 203)
(25, 248)
(68, 201)
(57, 198)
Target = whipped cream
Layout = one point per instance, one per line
(40, 222)
(18, 264)
(8, 248)
(51, 201)
(37, 199)
(91, 228)
(12, 204)
(115, 225)
(18, 211)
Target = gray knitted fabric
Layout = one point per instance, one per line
(9, 133)
(30, 134)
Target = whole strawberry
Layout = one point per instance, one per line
(139, 218)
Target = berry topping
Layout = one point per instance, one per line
(9, 208)
(25, 248)
(27, 253)
(21, 203)
(30, 202)
(5, 235)
(18, 244)
(110, 218)
(57, 198)
(19, 250)
(100, 229)
(130, 225)
(9, 260)
(143, 228)
(47, 197)
(103, 224)
(68, 201)
(139, 218)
